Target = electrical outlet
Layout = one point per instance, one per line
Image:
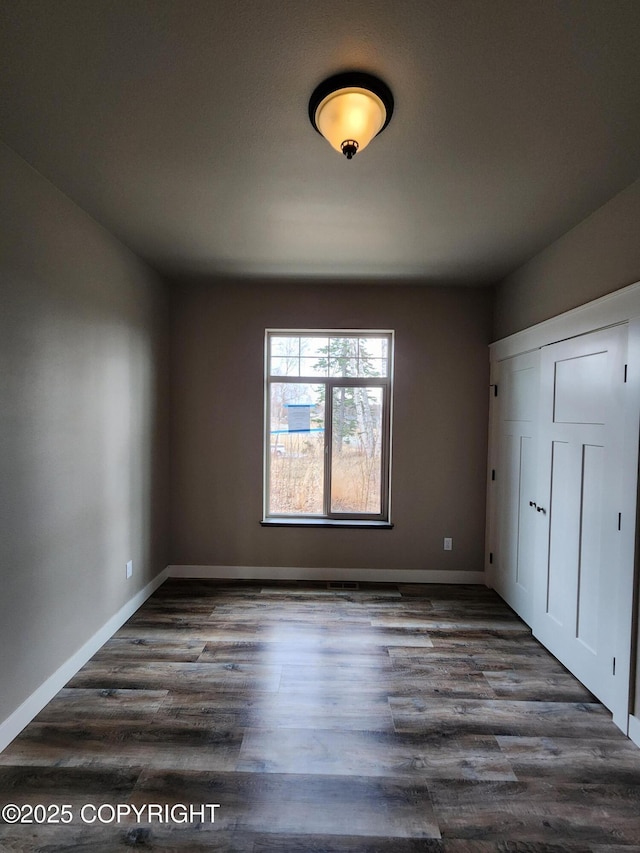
(130, 568)
(448, 543)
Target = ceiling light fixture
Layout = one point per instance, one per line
(349, 109)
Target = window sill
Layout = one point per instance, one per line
(369, 524)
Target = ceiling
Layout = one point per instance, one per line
(182, 126)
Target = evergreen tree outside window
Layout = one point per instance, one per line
(328, 424)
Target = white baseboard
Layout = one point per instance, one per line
(322, 574)
(22, 716)
(634, 729)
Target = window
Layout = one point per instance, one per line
(327, 426)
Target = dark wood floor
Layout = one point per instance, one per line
(390, 718)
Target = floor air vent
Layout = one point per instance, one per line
(343, 585)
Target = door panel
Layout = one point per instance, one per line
(526, 538)
(562, 534)
(579, 496)
(581, 389)
(516, 462)
(590, 546)
(519, 383)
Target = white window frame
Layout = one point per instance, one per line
(331, 382)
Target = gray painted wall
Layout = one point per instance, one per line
(83, 429)
(439, 430)
(598, 256)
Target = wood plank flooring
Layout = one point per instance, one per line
(388, 718)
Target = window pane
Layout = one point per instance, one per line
(356, 452)
(296, 459)
(285, 345)
(343, 356)
(372, 367)
(372, 357)
(314, 347)
(374, 347)
(285, 351)
(313, 366)
(285, 366)
(343, 345)
(343, 367)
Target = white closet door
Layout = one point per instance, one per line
(515, 483)
(579, 499)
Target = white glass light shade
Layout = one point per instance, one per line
(350, 114)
